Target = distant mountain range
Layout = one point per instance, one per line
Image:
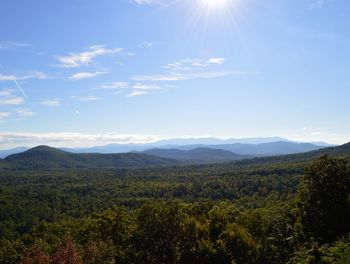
(338, 151)
(197, 155)
(246, 146)
(44, 157)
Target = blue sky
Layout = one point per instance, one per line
(82, 73)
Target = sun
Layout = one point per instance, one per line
(210, 4)
(217, 7)
(206, 14)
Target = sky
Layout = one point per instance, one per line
(84, 73)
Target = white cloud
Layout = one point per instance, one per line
(38, 75)
(187, 76)
(137, 93)
(8, 97)
(4, 115)
(146, 87)
(11, 101)
(87, 98)
(85, 75)
(68, 139)
(6, 92)
(113, 86)
(194, 64)
(50, 102)
(25, 112)
(161, 77)
(216, 60)
(84, 58)
(143, 89)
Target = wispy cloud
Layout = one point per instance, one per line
(216, 60)
(12, 45)
(24, 113)
(50, 102)
(187, 76)
(73, 60)
(86, 75)
(189, 69)
(9, 139)
(8, 97)
(193, 64)
(143, 89)
(6, 92)
(113, 86)
(137, 93)
(4, 115)
(12, 101)
(147, 87)
(88, 98)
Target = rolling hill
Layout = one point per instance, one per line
(44, 157)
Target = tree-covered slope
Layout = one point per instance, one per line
(44, 157)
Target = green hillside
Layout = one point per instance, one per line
(44, 157)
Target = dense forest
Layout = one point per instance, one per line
(288, 209)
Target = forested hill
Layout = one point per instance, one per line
(338, 151)
(44, 157)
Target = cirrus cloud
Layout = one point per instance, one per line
(74, 60)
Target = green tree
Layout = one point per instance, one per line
(324, 199)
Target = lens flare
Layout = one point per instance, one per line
(214, 3)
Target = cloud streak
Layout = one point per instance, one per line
(113, 86)
(24, 113)
(187, 76)
(88, 98)
(50, 102)
(74, 60)
(86, 75)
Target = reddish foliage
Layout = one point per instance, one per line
(35, 256)
(66, 254)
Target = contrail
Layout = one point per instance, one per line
(12, 77)
(18, 86)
